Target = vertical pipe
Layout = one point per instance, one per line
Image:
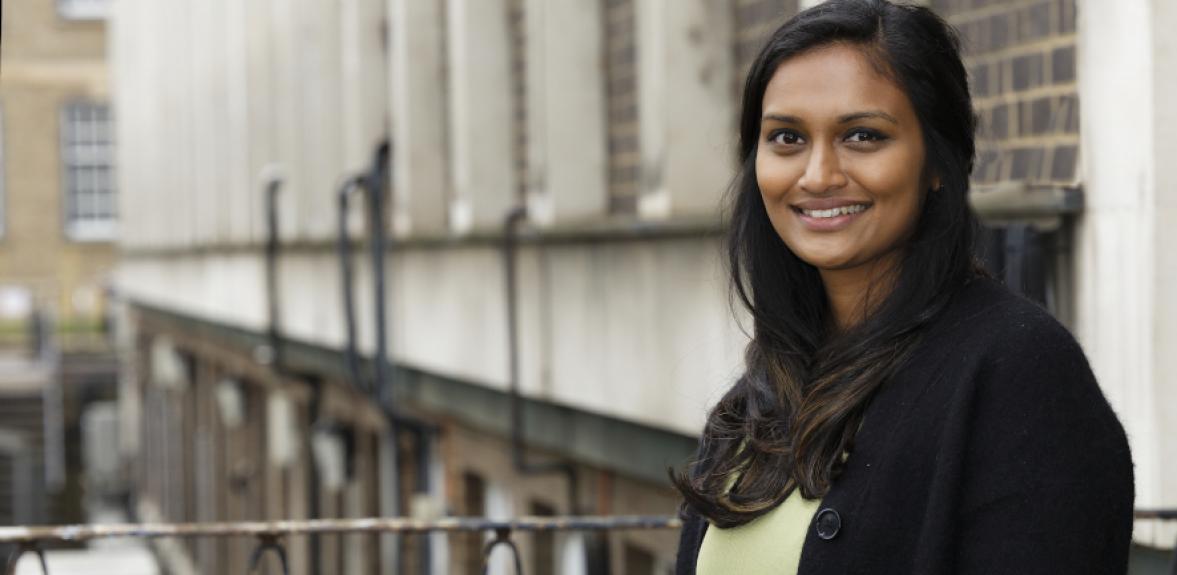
(273, 332)
(514, 218)
(375, 185)
(347, 279)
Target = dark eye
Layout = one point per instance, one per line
(862, 135)
(785, 138)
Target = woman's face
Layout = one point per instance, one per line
(840, 160)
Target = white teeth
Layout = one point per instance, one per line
(833, 212)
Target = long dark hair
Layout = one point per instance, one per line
(788, 419)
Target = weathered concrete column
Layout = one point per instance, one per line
(1126, 272)
(282, 79)
(418, 116)
(240, 178)
(261, 109)
(480, 143)
(566, 111)
(1164, 213)
(318, 52)
(687, 120)
(365, 81)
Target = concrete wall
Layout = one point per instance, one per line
(684, 65)
(232, 94)
(201, 126)
(1125, 273)
(639, 331)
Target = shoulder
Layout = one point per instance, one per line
(998, 329)
(1036, 432)
(990, 308)
(1030, 390)
(1020, 374)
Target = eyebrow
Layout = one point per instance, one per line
(846, 119)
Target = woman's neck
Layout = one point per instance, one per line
(853, 293)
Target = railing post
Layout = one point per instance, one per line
(24, 547)
(502, 536)
(267, 542)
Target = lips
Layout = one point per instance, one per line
(829, 215)
(835, 212)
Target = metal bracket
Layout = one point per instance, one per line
(267, 542)
(502, 536)
(33, 546)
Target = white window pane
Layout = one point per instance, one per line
(83, 9)
(89, 180)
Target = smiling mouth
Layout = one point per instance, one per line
(832, 212)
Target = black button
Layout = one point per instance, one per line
(828, 523)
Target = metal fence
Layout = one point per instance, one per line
(270, 534)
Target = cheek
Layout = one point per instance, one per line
(890, 181)
(774, 175)
(898, 200)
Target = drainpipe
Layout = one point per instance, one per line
(347, 275)
(376, 178)
(518, 446)
(273, 186)
(275, 354)
(382, 387)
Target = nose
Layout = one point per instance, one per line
(823, 171)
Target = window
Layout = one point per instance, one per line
(87, 174)
(83, 9)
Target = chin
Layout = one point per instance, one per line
(827, 262)
(824, 259)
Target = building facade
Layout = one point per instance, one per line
(58, 206)
(58, 224)
(611, 122)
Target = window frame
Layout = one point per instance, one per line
(83, 10)
(80, 229)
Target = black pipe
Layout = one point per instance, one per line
(273, 331)
(376, 217)
(384, 379)
(277, 357)
(381, 389)
(347, 279)
(518, 447)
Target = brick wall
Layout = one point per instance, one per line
(48, 62)
(1021, 60)
(755, 20)
(621, 97)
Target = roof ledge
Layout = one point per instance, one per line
(1040, 205)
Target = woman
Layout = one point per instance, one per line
(900, 411)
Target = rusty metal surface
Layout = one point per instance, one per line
(369, 525)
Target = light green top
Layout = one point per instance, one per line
(770, 543)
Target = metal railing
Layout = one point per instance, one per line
(270, 534)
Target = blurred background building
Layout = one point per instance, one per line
(248, 131)
(58, 227)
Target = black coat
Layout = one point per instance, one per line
(991, 451)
